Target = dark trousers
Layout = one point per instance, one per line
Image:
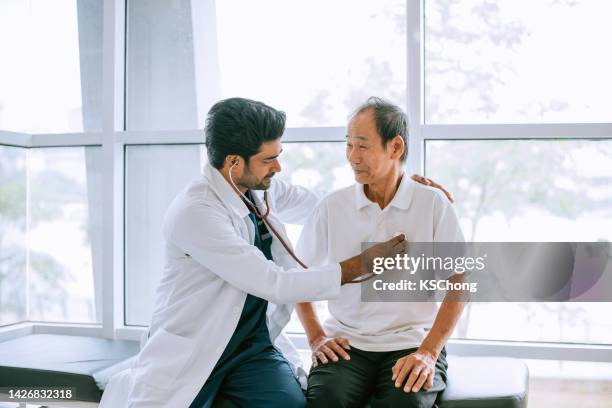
(262, 380)
(366, 379)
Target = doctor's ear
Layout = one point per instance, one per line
(233, 161)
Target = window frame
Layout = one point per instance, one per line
(113, 138)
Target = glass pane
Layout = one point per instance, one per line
(154, 176)
(530, 191)
(64, 234)
(527, 190)
(508, 61)
(316, 66)
(51, 78)
(13, 242)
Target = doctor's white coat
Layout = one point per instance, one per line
(211, 265)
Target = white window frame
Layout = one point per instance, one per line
(113, 139)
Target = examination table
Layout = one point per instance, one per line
(86, 364)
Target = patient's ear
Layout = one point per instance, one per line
(397, 147)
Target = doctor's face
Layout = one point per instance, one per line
(262, 166)
(370, 160)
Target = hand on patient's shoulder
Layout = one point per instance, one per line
(429, 182)
(329, 348)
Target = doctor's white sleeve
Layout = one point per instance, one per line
(312, 246)
(292, 204)
(205, 232)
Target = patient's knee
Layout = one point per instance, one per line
(399, 398)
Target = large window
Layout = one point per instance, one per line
(506, 187)
(51, 229)
(478, 68)
(507, 101)
(64, 224)
(529, 190)
(154, 176)
(508, 61)
(50, 75)
(316, 60)
(51, 188)
(13, 252)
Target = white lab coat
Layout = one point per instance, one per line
(200, 297)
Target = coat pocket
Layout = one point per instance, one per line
(163, 358)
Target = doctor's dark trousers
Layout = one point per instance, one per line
(251, 372)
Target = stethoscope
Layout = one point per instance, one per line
(264, 218)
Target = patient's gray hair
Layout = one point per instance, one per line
(390, 120)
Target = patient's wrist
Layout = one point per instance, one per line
(315, 338)
(429, 352)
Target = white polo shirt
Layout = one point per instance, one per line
(338, 226)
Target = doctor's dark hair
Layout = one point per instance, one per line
(239, 126)
(390, 120)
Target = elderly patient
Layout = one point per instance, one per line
(382, 353)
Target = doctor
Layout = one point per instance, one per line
(229, 280)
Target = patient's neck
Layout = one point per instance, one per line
(382, 191)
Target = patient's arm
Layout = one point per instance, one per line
(417, 370)
(323, 347)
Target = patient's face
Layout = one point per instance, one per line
(369, 159)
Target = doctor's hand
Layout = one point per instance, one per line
(329, 348)
(416, 370)
(429, 182)
(362, 264)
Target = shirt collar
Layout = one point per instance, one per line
(361, 200)
(224, 190)
(401, 200)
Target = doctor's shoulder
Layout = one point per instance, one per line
(191, 207)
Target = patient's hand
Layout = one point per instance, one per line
(325, 348)
(419, 369)
(429, 182)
